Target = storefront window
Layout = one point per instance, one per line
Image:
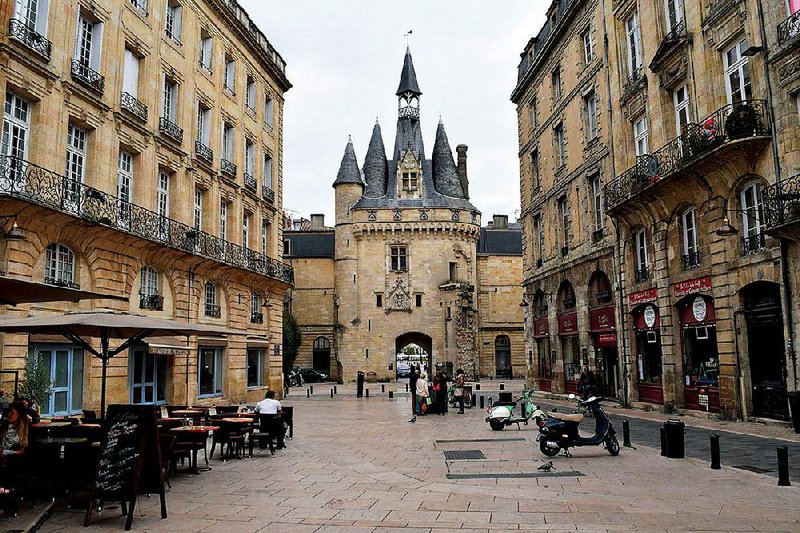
(545, 362)
(210, 372)
(701, 358)
(572, 358)
(648, 356)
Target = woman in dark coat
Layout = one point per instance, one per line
(440, 380)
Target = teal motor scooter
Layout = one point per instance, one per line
(501, 414)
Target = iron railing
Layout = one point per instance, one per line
(789, 29)
(88, 76)
(170, 129)
(634, 80)
(205, 67)
(227, 167)
(256, 318)
(678, 31)
(30, 38)
(60, 282)
(692, 260)
(203, 151)
(250, 182)
(268, 194)
(153, 302)
(214, 311)
(130, 103)
(641, 275)
(564, 250)
(175, 38)
(753, 244)
(782, 202)
(734, 121)
(37, 185)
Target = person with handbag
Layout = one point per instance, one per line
(423, 396)
(459, 392)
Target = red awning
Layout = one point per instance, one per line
(568, 324)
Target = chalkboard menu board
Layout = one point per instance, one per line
(130, 460)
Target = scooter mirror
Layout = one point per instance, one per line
(571, 396)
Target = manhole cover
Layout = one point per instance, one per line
(755, 469)
(516, 475)
(463, 455)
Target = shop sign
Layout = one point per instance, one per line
(167, 350)
(692, 286)
(641, 297)
(541, 327)
(646, 318)
(649, 316)
(606, 340)
(602, 319)
(699, 309)
(568, 323)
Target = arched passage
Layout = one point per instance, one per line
(413, 348)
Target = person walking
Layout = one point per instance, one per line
(459, 392)
(412, 385)
(422, 394)
(440, 400)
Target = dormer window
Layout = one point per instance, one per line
(410, 182)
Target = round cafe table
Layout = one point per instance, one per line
(194, 435)
(238, 420)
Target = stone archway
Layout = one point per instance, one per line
(423, 341)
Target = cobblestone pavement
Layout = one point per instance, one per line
(358, 465)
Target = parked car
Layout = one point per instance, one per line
(311, 375)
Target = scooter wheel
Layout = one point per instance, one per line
(612, 445)
(496, 424)
(549, 452)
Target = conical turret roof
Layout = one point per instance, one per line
(445, 174)
(408, 78)
(348, 170)
(376, 171)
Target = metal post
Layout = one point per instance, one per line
(482, 400)
(312, 389)
(502, 386)
(714, 452)
(331, 393)
(367, 391)
(477, 386)
(490, 402)
(308, 393)
(334, 390)
(383, 389)
(391, 394)
(472, 402)
(406, 387)
(626, 434)
(783, 466)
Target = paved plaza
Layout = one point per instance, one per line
(358, 465)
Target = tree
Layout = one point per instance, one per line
(36, 384)
(291, 341)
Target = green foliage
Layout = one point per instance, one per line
(291, 341)
(36, 383)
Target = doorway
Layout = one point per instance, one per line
(607, 363)
(148, 377)
(413, 349)
(321, 357)
(65, 365)
(502, 357)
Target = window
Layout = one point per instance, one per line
(674, 14)
(140, 5)
(797, 97)
(227, 142)
(539, 236)
(410, 181)
(130, 76)
(453, 270)
(64, 363)
(268, 171)
(223, 220)
(198, 209)
(691, 256)
(532, 114)
(148, 374)
(640, 246)
(264, 236)
(124, 187)
(640, 136)
(556, 81)
(535, 169)
(33, 14)
(172, 21)
(268, 113)
(209, 372)
(752, 211)
(287, 249)
(255, 308)
(149, 283)
(597, 202)
(87, 44)
(588, 50)
(162, 195)
(16, 124)
(59, 266)
(683, 116)
(378, 300)
(737, 73)
(399, 258)
(251, 94)
(205, 49)
(634, 45)
(76, 165)
(560, 148)
(563, 210)
(170, 96)
(418, 300)
(203, 124)
(249, 158)
(256, 368)
(230, 74)
(212, 308)
(246, 230)
(590, 104)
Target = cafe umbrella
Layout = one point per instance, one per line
(105, 325)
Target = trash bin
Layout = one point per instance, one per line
(360, 384)
(505, 397)
(794, 407)
(674, 432)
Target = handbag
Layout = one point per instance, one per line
(428, 400)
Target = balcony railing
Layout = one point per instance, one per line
(130, 103)
(60, 282)
(30, 38)
(782, 202)
(153, 302)
(227, 167)
(678, 31)
(789, 29)
(564, 250)
(641, 275)
(250, 182)
(39, 186)
(691, 260)
(256, 318)
(752, 244)
(214, 311)
(170, 129)
(730, 123)
(634, 80)
(175, 38)
(88, 76)
(203, 151)
(268, 194)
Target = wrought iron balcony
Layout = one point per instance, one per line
(203, 152)
(170, 129)
(250, 182)
(782, 202)
(153, 302)
(746, 119)
(691, 260)
(564, 250)
(256, 318)
(789, 29)
(641, 275)
(60, 282)
(752, 244)
(268, 194)
(39, 186)
(214, 311)
(227, 167)
(677, 32)
(140, 6)
(636, 79)
(130, 103)
(88, 76)
(30, 38)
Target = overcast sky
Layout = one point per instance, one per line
(344, 59)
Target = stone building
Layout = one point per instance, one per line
(169, 117)
(699, 170)
(407, 262)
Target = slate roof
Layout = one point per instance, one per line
(375, 165)
(445, 174)
(408, 77)
(348, 170)
(500, 241)
(310, 244)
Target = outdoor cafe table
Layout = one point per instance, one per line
(193, 431)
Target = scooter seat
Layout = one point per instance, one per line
(577, 417)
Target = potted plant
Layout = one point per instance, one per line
(36, 385)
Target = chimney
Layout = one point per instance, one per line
(317, 221)
(461, 149)
(500, 222)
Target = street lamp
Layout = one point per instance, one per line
(14, 233)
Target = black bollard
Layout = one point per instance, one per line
(783, 467)
(391, 394)
(383, 389)
(286, 391)
(663, 442)
(331, 393)
(477, 386)
(312, 389)
(502, 386)
(406, 387)
(490, 402)
(308, 393)
(626, 434)
(472, 403)
(714, 452)
(367, 391)
(482, 407)
(334, 390)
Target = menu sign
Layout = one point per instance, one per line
(641, 297)
(692, 286)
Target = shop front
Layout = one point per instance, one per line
(570, 350)
(602, 327)
(647, 336)
(541, 334)
(700, 355)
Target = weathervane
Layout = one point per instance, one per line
(408, 37)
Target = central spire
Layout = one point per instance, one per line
(408, 78)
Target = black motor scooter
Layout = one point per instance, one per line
(560, 431)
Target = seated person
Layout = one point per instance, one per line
(32, 413)
(270, 406)
(15, 434)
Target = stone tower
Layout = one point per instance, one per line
(406, 238)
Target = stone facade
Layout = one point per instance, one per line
(158, 204)
(702, 320)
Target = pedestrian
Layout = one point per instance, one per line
(412, 385)
(441, 394)
(459, 392)
(423, 394)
